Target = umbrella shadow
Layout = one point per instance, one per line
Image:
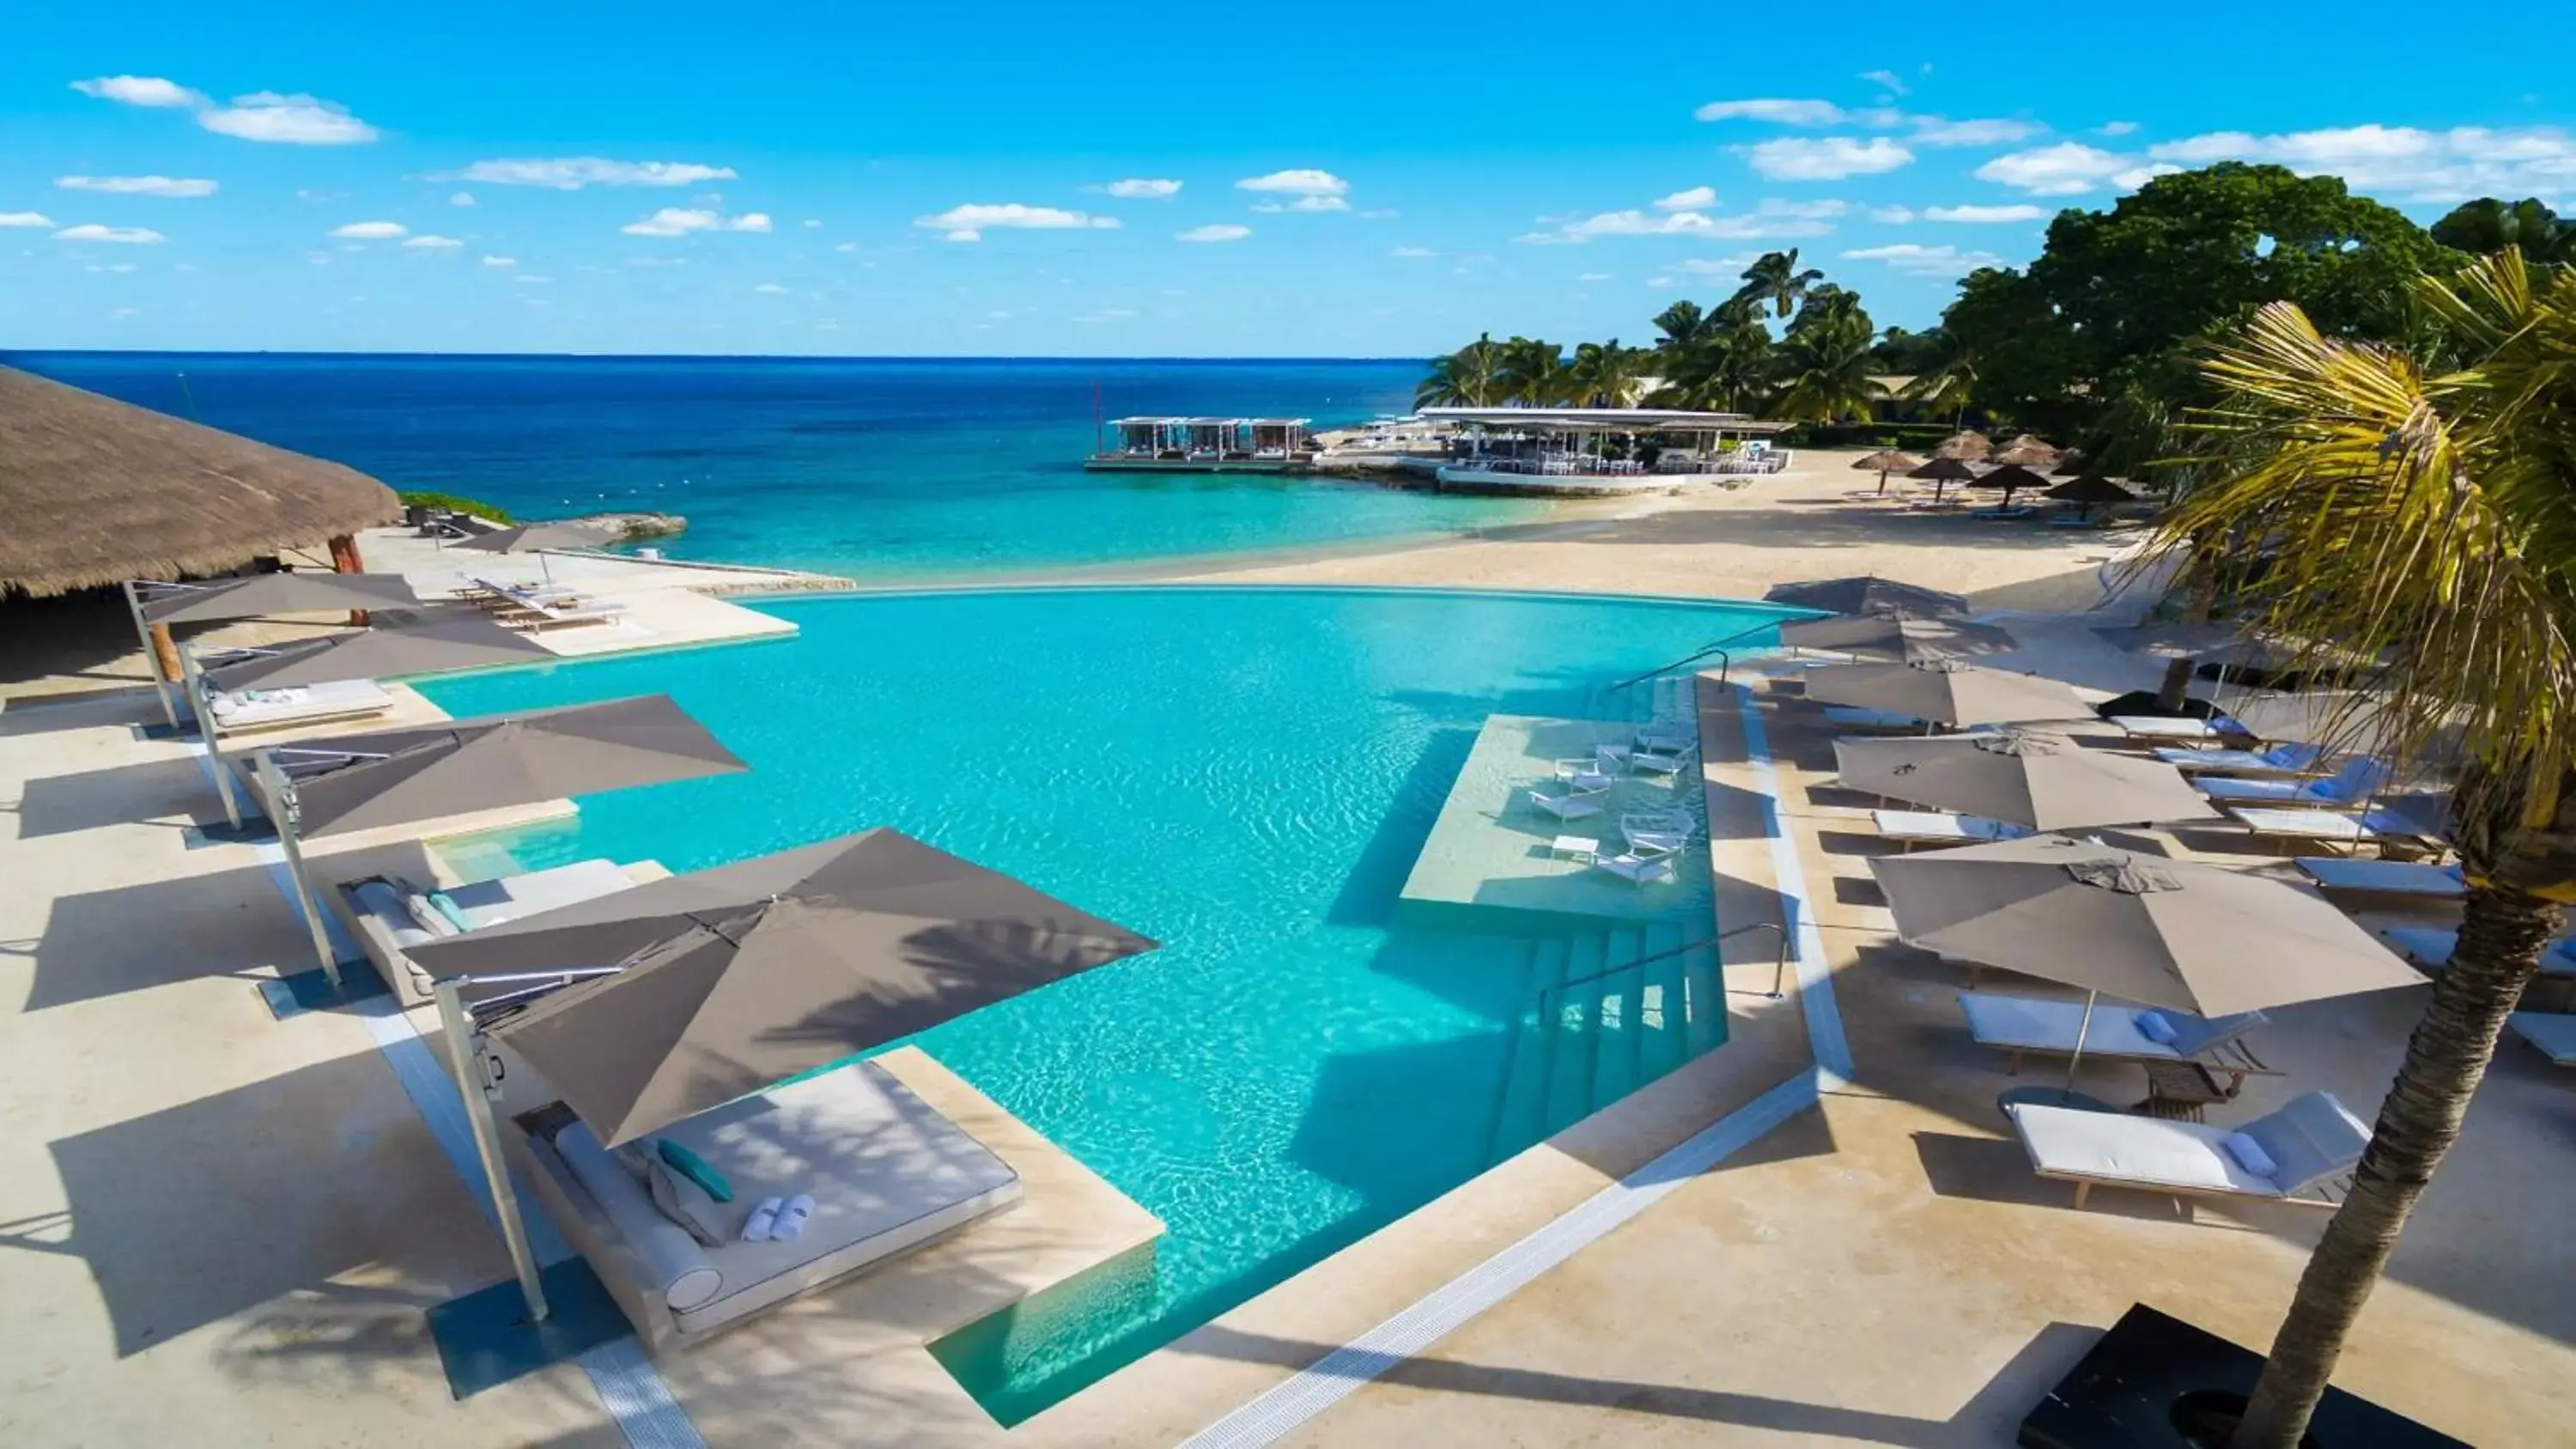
(172, 793)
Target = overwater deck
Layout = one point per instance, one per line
(1492, 848)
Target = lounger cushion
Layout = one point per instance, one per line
(380, 899)
(2146, 1151)
(2553, 1034)
(2039, 1024)
(2430, 947)
(2153, 1026)
(2249, 1154)
(2312, 1137)
(675, 1266)
(2385, 877)
(490, 902)
(425, 913)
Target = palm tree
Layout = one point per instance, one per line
(2425, 514)
(1532, 374)
(1825, 375)
(1684, 325)
(1774, 280)
(1465, 378)
(1606, 375)
(1949, 383)
(1727, 366)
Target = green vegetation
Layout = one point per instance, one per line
(2414, 502)
(450, 503)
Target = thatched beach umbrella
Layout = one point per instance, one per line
(1943, 470)
(2069, 464)
(2029, 450)
(2089, 491)
(1886, 462)
(1967, 445)
(2008, 477)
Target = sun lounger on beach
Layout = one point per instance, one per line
(2429, 949)
(2355, 782)
(538, 620)
(2294, 822)
(2289, 1155)
(2402, 878)
(2045, 1026)
(2177, 727)
(2282, 759)
(394, 914)
(887, 1174)
(2553, 1034)
(1939, 827)
(243, 710)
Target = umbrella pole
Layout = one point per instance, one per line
(151, 659)
(478, 1091)
(2082, 1027)
(282, 810)
(194, 681)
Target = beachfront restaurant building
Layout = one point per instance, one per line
(1207, 445)
(1600, 450)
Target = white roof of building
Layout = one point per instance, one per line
(1612, 419)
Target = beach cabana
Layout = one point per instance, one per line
(345, 783)
(2026, 777)
(1947, 691)
(647, 1008)
(1867, 594)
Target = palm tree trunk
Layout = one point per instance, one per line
(2502, 932)
(2204, 596)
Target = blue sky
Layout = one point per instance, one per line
(1318, 179)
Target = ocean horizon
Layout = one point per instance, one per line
(877, 468)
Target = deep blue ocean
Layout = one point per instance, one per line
(872, 467)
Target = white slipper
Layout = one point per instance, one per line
(763, 1223)
(791, 1219)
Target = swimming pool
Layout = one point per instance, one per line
(1246, 775)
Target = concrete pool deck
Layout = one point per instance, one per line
(216, 1227)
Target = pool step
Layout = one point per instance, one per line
(1609, 1011)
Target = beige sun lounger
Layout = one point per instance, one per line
(2553, 1034)
(1940, 827)
(393, 915)
(244, 710)
(2350, 827)
(2044, 1026)
(2311, 1140)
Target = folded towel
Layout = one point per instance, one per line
(2249, 1154)
(763, 1219)
(684, 1202)
(695, 1168)
(791, 1219)
(2155, 1027)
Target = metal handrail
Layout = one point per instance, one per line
(1718, 649)
(1779, 972)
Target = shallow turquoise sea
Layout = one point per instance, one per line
(1245, 775)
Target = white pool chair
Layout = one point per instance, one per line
(242, 710)
(1572, 804)
(2166, 727)
(2284, 759)
(2354, 783)
(1595, 773)
(2299, 822)
(2393, 878)
(2045, 1026)
(1939, 827)
(1640, 865)
(1658, 763)
(2552, 1034)
(2311, 1140)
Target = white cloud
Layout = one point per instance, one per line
(847, 247)
(1934, 131)
(1660, 282)
(1771, 219)
(297, 120)
(90, 231)
(1413, 252)
(1215, 232)
(462, 198)
(572, 173)
(969, 222)
(1697, 198)
(1892, 215)
(1303, 203)
(1886, 80)
(533, 281)
(772, 288)
(1721, 266)
(2404, 162)
(2019, 212)
(170, 186)
(433, 243)
(25, 218)
(809, 223)
(657, 261)
(139, 90)
(1786, 113)
(1826, 158)
(1142, 188)
(500, 261)
(1809, 210)
(1303, 181)
(2116, 128)
(118, 267)
(1918, 260)
(1593, 277)
(371, 230)
(1107, 314)
(682, 221)
(2064, 169)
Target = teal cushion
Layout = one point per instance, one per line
(695, 1168)
(448, 907)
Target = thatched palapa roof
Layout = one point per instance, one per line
(95, 491)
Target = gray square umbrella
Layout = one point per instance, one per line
(2028, 777)
(538, 538)
(1897, 636)
(2163, 933)
(1947, 691)
(280, 593)
(1867, 594)
(657, 1003)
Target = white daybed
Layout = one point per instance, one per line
(393, 915)
(240, 710)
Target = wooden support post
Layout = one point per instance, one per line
(165, 651)
(345, 560)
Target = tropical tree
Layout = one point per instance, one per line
(1727, 366)
(1825, 373)
(2429, 516)
(1945, 376)
(1774, 282)
(2487, 226)
(1684, 326)
(1532, 373)
(1468, 377)
(1827, 304)
(1607, 375)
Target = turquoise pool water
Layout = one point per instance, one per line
(1246, 775)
